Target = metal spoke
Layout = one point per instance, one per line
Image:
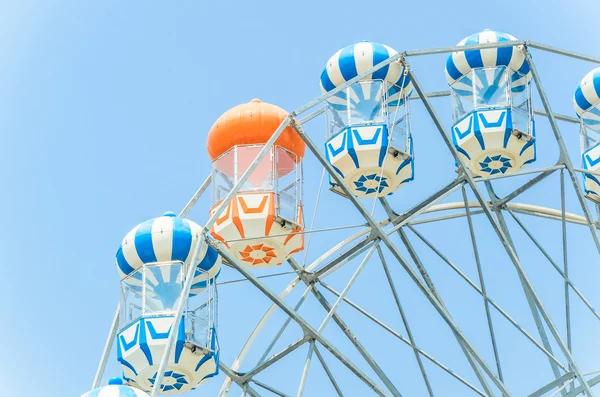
(406, 341)
(482, 285)
(297, 318)
(405, 321)
(314, 218)
(490, 300)
(269, 388)
(347, 288)
(349, 334)
(284, 326)
(500, 234)
(525, 187)
(328, 372)
(181, 305)
(554, 264)
(395, 251)
(556, 382)
(425, 275)
(276, 357)
(311, 349)
(534, 308)
(112, 333)
(565, 262)
(196, 197)
(564, 154)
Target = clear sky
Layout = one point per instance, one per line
(104, 111)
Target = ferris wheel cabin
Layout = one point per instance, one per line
(152, 261)
(263, 225)
(587, 105)
(492, 120)
(369, 142)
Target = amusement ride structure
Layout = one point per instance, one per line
(512, 334)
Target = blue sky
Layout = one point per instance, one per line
(104, 111)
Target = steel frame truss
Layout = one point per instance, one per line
(376, 234)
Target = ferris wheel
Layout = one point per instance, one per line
(475, 276)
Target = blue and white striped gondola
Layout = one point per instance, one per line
(493, 129)
(158, 247)
(367, 118)
(115, 389)
(586, 102)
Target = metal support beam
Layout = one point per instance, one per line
(486, 304)
(555, 265)
(284, 326)
(246, 388)
(592, 382)
(527, 289)
(565, 261)
(503, 239)
(196, 197)
(556, 382)
(276, 357)
(254, 334)
(446, 50)
(490, 300)
(404, 340)
(328, 372)
(269, 388)
(311, 349)
(559, 51)
(395, 251)
(181, 305)
(349, 334)
(107, 349)
(425, 275)
(405, 321)
(347, 288)
(308, 329)
(564, 154)
(500, 202)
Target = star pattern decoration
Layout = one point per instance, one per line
(258, 254)
(495, 164)
(177, 381)
(371, 183)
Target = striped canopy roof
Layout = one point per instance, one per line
(586, 100)
(460, 63)
(355, 59)
(166, 239)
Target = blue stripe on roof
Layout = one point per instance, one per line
(182, 240)
(143, 242)
(452, 69)
(380, 54)
(524, 69)
(581, 100)
(125, 267)
(326, 81)
(347, 63)
(474, 56)
(596, 82)
(503, 55)
(209, 259)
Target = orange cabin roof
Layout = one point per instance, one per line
(251, 124)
